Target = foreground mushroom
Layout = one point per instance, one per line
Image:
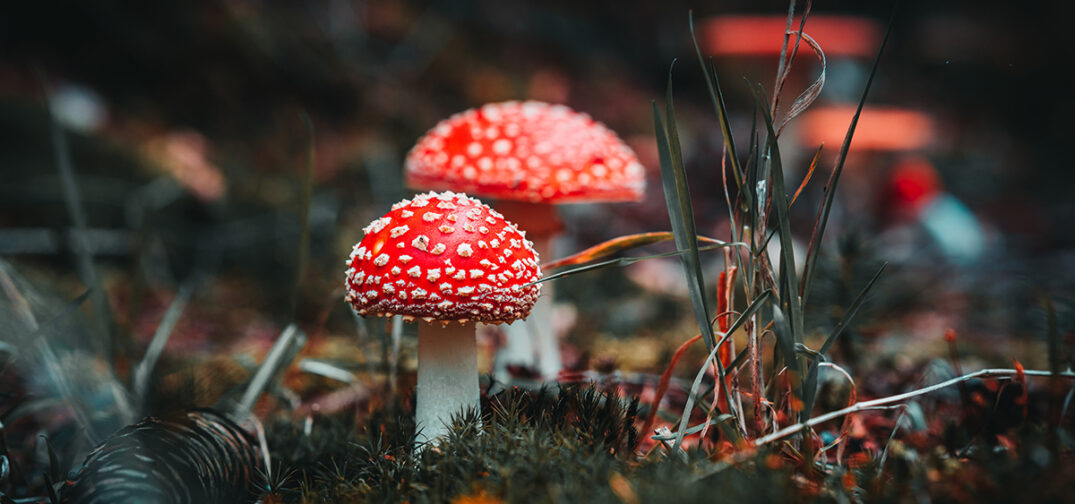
(533, 155)
(444, 258)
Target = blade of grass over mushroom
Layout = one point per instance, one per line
(830, 188)
(624, 261)
(812, 375)
(618, 244)
(678, 200)
(732, 433)
(304, 217)
(717, 97)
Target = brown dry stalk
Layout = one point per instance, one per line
(884, 401)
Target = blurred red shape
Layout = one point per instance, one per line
(764, 35)
(879, 128)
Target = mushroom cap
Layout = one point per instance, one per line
(530, 151)
(445, 257)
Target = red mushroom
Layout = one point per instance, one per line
(444, 258)
(536, 155)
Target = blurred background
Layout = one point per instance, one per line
(184, 128)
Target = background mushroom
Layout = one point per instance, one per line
(444, 258)
(532, 155)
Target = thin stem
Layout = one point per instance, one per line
(866, 405)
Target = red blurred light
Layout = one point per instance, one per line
(764, 35)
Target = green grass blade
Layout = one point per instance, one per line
(717, 97)
(851, 311)
(811, 377)
(830, 188)
(677, 199)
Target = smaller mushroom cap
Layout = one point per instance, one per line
(446, 257)
(530, 151)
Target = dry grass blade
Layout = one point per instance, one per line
(733, 433)
(809, 175)
(662, 385)
(624, 261)
(807, 97)
(899, 398)
(618, 244)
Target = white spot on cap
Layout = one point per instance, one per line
(396, 270)
(377, 225)
(399, 231)
(405, 258)
(464, 250)
(431, 216)
(433, 274)
(502, 146)
(476, 273)
(421, 242)
(474, 149)
(438, 249)
(381, 260)
(415, 272)
(444, 228)
(466, 290)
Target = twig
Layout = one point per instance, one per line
(866, 405)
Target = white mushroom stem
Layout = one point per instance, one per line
(532, 342)
(447, 378)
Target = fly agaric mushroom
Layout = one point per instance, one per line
(444, 258)
(534, 155)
